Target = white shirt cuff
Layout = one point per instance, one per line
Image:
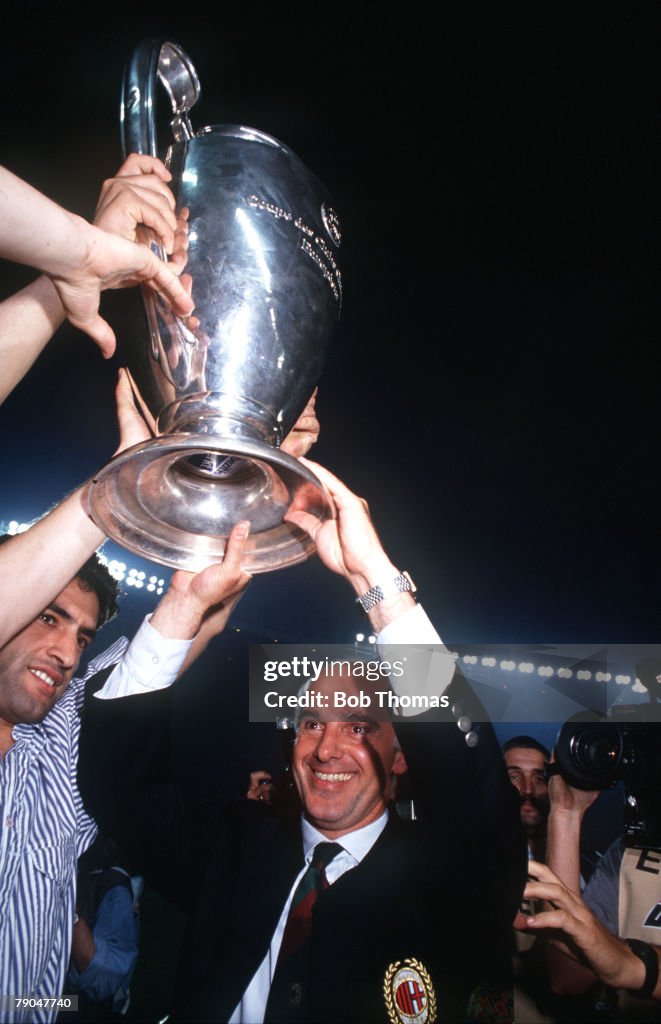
(150, 663)
(411, 627)
(429, 665)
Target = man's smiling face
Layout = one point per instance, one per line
(36, 666)
(344, 767)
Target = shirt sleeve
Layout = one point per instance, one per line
(115, 939)
(150, 663)
(602, 893)
(110, 656)
(410, 641)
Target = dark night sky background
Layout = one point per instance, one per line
(493, 386)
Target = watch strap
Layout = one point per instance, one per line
(398, 585)
(650, 959)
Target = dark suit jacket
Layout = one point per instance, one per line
(441, 890)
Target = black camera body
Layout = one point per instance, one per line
(596, 751)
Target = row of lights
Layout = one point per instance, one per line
(526, 667)
(119, 571)
(544, 670)
(15, 527)
(134, 577)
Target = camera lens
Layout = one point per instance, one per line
(589, 754)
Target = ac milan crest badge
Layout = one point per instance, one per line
(409, 994)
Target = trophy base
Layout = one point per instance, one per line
(175, 499)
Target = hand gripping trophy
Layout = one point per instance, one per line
(224, 389)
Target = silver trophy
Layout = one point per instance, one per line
(224, 390)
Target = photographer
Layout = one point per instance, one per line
(610, 933)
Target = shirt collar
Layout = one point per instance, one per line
(29, 740)
(357, 843)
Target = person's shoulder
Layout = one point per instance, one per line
(607, 868)
(614, 853)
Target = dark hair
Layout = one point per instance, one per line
(528, 743)
(94, 576)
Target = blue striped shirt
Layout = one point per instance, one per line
(43, 830)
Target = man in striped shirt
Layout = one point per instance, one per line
(43, 825)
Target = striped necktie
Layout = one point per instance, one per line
(288, 988)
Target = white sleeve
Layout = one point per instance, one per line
(150, 663)
(412, 627)
(429, 666)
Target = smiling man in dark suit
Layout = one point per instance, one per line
(346, 913)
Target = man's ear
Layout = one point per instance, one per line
(399, 765)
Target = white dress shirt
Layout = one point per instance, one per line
(355, 846)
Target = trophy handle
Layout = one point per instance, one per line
(156, 59)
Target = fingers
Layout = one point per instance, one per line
(340, 493)
(139, 195)
(309, 410)
(179, 255)
(552, 892)
(129, 202)
(140, 403)
(307, 498)
(234, 552)
(98, 329)
(305, 431)
(221, 581)
(261, 787)
(142, 163)
(187, 284)
(142, 184)
(559, 920)
(301, 439)
(132, 427)
(236, 543)
(567, 910)
(161, 278)
(307, 522)
(542, 871)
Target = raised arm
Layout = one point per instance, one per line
(38, 564)
(447, 771)
(125, 772)
(79, 260)
(563, 844)
(349, 545)
(567, 975)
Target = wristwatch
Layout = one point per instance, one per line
(399, 585)
(650, 959)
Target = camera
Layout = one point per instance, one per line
(594, 751)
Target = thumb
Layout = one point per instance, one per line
(132, 427)
(99, 330)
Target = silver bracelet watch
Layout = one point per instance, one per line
(399, 585)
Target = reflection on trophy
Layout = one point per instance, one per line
(225, 387)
